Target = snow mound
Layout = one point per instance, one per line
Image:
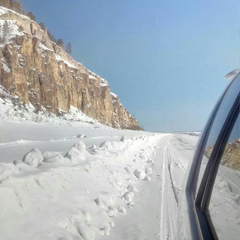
(81, 136)
(6, 170)
(140, 174)
(76, 196)
(33, 158)
(128, 196)
(53, 157)
(78, 152)
(123, 139)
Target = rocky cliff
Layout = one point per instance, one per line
(41, 73)
(231, 154)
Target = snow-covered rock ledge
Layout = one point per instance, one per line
(11, 108)
(49, 196)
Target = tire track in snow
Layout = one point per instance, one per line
(170, 174)
(169, 201)
(142, 222)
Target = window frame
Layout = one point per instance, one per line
(200, 203)
(210, 173)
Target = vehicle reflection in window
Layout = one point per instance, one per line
(218, 122)
(224, 206)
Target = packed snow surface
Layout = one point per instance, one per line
(76, 194)
(80, 181)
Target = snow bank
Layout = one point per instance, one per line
(75, 196)
(12, 109)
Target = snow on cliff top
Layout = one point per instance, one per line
(103, 82)
(59, 59)
(12, 31)
(42, 46)
(114, 95)
(4, 10)
(92, 77)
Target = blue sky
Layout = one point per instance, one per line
(166, 60)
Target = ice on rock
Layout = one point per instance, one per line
(33, 158)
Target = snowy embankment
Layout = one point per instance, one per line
(82, 177)
(48, 196)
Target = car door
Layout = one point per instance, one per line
(213, 178)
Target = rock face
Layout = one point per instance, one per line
(40, 72)
(231, 154)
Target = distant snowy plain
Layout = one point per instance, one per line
(68, 179)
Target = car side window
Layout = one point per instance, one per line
(224, 206)
(217, 124)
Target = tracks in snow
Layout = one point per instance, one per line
(169, 194)
(154, 215)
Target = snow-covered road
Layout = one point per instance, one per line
(154, 215)
(112, 184)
